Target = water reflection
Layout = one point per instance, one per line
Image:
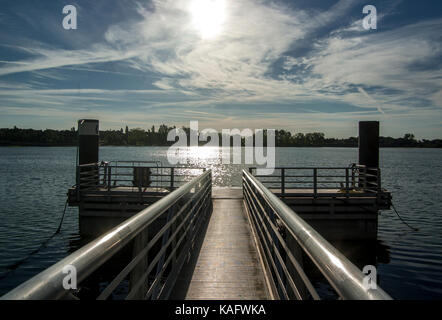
(224, 172)
(364, 252)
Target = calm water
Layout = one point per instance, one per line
(34, 181)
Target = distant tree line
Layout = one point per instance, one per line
(158, 137)
(31, 137)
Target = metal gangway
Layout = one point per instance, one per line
(202, 243)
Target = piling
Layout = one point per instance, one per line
(88, 141)
(369, 143)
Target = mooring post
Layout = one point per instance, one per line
(88, 141)
(88, 144)
(368, 148)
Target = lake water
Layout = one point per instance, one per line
(34, 182)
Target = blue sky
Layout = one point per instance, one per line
(305, 65)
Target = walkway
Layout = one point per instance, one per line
(227, 266)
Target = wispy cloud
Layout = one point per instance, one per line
(381, 72)
(361, 90)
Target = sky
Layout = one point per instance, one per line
(300, 65)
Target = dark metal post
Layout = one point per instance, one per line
(369, 146)
(283, 181)
(378, 186)
(315, 181)
(88, 141)
(88, 144)
(378, 176)
(77, 172)
(353, 177)
(137, 273)
(109, 177)
(364, 181)
(104, 176)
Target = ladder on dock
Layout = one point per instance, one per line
(242, 243)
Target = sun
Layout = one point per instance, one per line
(208, 17)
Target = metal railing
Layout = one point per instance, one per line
(282, 236)
(353, 179)
(157, 258)
(138, 175)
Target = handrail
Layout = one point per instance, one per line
(48, 284)
(346, 180)
(111, 175)
(342, 275)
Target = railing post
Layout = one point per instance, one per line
(315, 181)
(109, 177)
(172, 177)
(164, 240)
(283, 181)
(353, 178)
(104, 175)
(140, 243)
(210, 190)
(174, 260)
(78, 183)
(378, 171)
(347, 187)
(378, 185)
(364, 184)
(251, 170)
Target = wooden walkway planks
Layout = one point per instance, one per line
(227, 266)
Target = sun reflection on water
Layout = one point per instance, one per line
(223, 174)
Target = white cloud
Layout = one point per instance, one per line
(367, 69)
(382, 60)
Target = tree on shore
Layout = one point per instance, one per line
(158, 137)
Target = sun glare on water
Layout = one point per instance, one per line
(208, 17)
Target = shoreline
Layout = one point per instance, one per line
(108, 145)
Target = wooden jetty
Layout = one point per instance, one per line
(227, 266)
(202, 243)
(177, 236)
(342, 203)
